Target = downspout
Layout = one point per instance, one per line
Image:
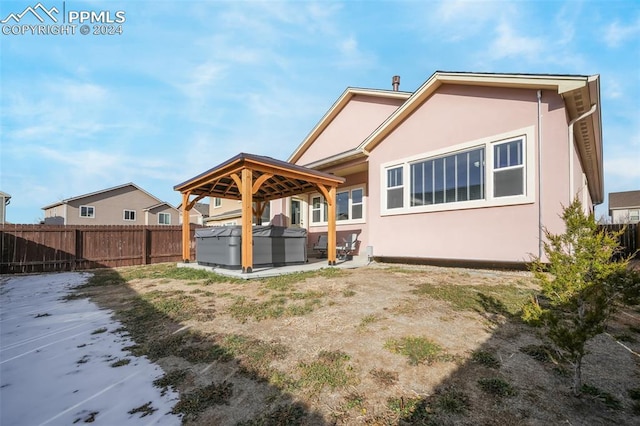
(540, 245)
(571, 148)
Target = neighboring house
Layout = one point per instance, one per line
(624, 207)
(470, 167)
(5, 199)
(126, 204)
(227, 212)
(198, 214)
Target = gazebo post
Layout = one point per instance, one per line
(247, 223)
(331, 231)
(186, 241)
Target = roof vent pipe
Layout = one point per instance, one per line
(395, 82)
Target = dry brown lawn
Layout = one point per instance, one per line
(381, 345)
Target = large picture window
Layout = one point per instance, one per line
(457, 177)
(349, 206)
(482, 173)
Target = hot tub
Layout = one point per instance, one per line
(272, 246)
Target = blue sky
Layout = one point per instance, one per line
(189, 84)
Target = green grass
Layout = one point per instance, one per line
(277, 306)
(171, 380)
(330, 369)
(417, 349)
(348, 293)
(286, 282)
(451, 400)
(497, 386)
(368, 319)
(542, 353)
(409, 410)
(506, 300)
(485, 358)
(193, 403)
(256, 355)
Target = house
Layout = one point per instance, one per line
(5, 199)
(624, 207)
(228, 212)
(126, 204)
(198, 214)
(471, 167)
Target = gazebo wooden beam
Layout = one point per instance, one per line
(247, 225)
(186, 240)
(331, 229)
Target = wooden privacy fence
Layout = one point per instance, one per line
(48, 248)
(629, 240)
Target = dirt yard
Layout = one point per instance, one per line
(381, 345)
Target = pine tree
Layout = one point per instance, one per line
(580, 284)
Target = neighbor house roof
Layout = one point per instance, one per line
(160, 204)
(79, 197)
(579, 92)
(624, 200)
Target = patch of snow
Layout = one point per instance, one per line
(55, 360)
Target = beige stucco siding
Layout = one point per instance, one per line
(109, 208)
(458, 115)
(361, 116)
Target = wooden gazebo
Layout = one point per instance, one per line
(254, 178)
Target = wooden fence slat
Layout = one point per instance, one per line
(52, 248)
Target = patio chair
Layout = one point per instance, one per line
(321, 245)
(348, 246)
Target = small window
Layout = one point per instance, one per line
(634, 215)
(217, 202)
(356, 203)
(87, 211)
(395, 189)
(342, 205)
(508, 169)
(130, 215)
(164, 218)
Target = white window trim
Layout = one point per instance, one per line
(217, 202)
(93, 209)
(124, 215)
(163, 213)
(527, 133)
(348, 189)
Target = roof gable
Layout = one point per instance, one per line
(337, 108)
(103, 191)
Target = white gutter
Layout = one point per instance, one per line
(540, 243)
(572, 148)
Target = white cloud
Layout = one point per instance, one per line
(617, 33)
(509, 44)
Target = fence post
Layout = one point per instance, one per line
(78, 252)
(146, 245)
